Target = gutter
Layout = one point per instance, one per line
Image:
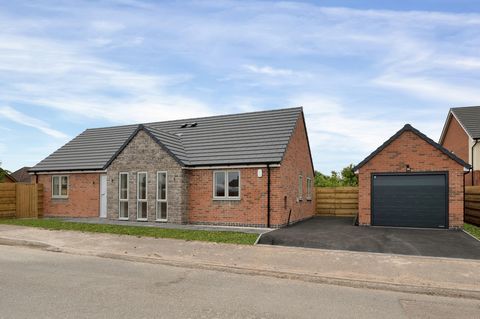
(473, 153)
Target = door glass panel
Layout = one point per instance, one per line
(142, 210)
(124, 209)
(142, 184)
(162, 186)
(123, 186)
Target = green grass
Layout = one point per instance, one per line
(472, 230)
(141, 231)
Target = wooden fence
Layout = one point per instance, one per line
(337, 201)
(21, 200)
(472, 205)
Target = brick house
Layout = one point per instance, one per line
(461, 135)
(250, 169)
(411, 181)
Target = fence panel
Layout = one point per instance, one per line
(472, 205)
(21, 200)
(337, 201)
(7, 200)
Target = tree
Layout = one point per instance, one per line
(346, 178)
(3, 173)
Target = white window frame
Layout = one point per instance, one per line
(60, 196)
(309, 188)
(227, 196)
(120, 200)
(300, 187)
(159, 200)
(146, 195)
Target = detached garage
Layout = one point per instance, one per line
(411, 181)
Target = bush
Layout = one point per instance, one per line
(346, 178)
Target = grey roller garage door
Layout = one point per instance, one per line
(409, 200)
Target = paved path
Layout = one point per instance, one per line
(339, 233)
(104, 221)
(39, 284)
(443, 276)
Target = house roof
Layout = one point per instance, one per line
(469, 119)
(7, 175)
(21, 175)
(410, 128)
(246, 138)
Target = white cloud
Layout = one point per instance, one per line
(24, 119)
(445, 93)
(268, 70)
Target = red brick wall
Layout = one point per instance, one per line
(83, 196)
(285, 180)
(409, 149)
(456, 140)
(250, 210)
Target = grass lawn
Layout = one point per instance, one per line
(472, 230)
(142, 231)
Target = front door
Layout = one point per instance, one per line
(103, 196)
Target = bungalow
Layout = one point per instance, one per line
(251, 169)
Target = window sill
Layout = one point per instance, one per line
(229, 199)
(123, 218)
(160, 220)
(309, 199)
(142, 219)
(59, 198)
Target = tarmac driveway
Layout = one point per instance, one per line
(339, 233)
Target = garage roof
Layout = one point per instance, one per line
(410, 128)
(247, 138)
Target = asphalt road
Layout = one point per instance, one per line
(40, 284)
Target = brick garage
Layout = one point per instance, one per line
(400, 183)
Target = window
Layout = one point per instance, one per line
(162, 206)
(300, 187)
(60, 186)
(226, 185)
(142, 208)
(123, 196)
(309, 188)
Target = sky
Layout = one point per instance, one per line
(360, 69)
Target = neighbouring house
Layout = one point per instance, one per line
(411, 181)
(250, 169)
(22, 175)
(461, 135)
(5, 177)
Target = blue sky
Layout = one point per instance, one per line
(360, 69)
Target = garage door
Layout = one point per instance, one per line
(409, 200)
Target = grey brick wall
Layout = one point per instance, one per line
(143, 154)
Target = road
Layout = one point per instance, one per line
(41, 284)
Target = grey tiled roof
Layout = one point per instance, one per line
(469, 118)
(247, 138)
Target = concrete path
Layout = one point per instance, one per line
(104, 221)
(427, 275)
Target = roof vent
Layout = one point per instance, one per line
(193, 124)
